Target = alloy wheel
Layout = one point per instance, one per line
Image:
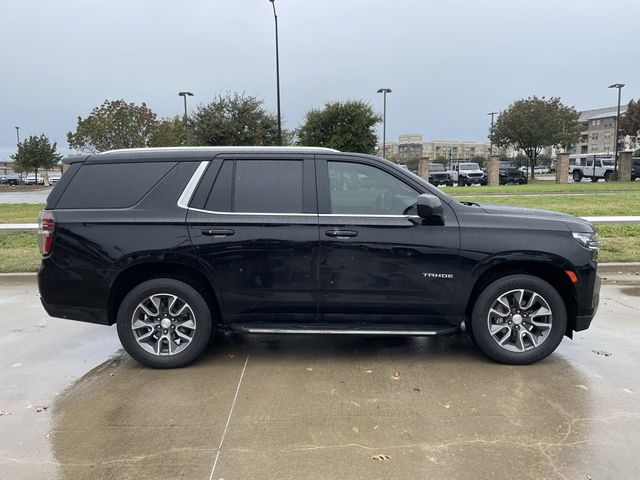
(519, 320)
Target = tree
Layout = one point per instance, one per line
(234, 119)
(170, 132)
(630, 121)
(114, 124)
(347, 126)
(36, 153)
(534, 123)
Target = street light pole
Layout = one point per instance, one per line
(491, 134)
(384, 92)
(615, 164)
(184, 95)
(18, 135)
(275, 19)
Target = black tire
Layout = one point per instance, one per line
(577, 176)
(607, 176)
(489, 345)
(198, 305)
(594, 179)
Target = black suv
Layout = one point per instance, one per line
(635, 168)
(509, 173)
(172, 244)
(438, 175)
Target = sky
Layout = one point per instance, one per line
(448, 63)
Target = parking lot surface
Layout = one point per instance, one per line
(75, 407)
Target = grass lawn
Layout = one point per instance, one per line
(620, 243)
(20, 212)
(18, 253)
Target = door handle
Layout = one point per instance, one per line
(218, 232)
(341, 233)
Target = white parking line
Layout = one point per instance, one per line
(224, 432)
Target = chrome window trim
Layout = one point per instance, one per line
(187, 193)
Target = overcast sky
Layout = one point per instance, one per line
(448, 62)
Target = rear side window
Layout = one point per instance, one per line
(258, 186)
(112, 185)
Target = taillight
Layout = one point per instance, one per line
(46, 226)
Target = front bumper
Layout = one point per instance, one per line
(584, 321)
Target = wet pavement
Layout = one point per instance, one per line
(316, 407)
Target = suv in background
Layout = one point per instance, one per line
(11, 179)
(509, 173)
(635, 168)
(438, 175)
(468, 173)
(595, 169)
(171, 244)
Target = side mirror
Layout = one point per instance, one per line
(429, 207)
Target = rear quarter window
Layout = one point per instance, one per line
(112, 185)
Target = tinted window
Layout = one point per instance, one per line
(113, 185)
(358, 189)
(268, 186)
(220, 197)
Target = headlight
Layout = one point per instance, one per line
(589, 241)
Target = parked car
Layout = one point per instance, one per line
(593, 169)
(173, 244)
(509, 173)
(438, 175)
(467, 173)
(635, 169)
(54, 178)
(11, 179)
(31, 179)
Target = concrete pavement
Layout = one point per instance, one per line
(316, 407)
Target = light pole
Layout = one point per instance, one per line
(615, 164)
(18, 135)
(275, 19)
(384, 92)
(491, 133)
(184, 95)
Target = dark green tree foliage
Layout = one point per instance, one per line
(36, 153)
(114, 124)
(346, 126)
(630, 121)
(234, 119)
(534, 123)
(170, 132)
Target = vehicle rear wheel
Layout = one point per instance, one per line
(577, 176)
(164, 323)
(519, 319)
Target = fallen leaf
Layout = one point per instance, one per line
(416, 389)
(584, 387)
(41, 408)
(381, 458)
(368, 371)
(395, 376)
(602, 352)
(309, 369)
(447, 406)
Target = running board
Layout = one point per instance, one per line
(308, 331)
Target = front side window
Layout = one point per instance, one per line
(357, 189)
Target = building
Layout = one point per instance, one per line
(410, 147)
(598, 131)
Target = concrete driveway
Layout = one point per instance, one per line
(316, 407)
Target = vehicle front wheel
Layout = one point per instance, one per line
(519, 319)
(577, 176)
(164, 323)
(607, 176)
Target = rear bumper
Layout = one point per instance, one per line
(81, 314)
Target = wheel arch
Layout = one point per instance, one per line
(141, 272)
(552, 274)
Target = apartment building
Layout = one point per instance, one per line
(411, 146)
(598, 134)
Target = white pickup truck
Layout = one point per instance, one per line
(593, 169)
(468, 173)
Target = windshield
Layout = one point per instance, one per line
(469, 166)
(436, 167)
